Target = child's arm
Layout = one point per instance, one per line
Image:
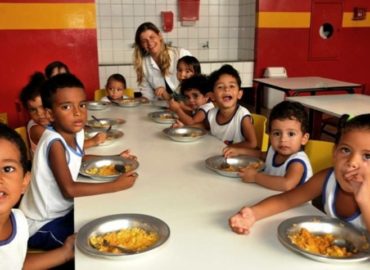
(96, 140)
(36, 132)
(230, 151)
(162, 93)
(287, 182)
(187, 119)
(70, 188)
(249, 135)
(52, 258)
(242, 221)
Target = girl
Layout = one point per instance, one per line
(187, 67)
(345, 189)
(114, 87)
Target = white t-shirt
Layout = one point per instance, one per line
(153, 77)
(43, 200)
(14, 249)
(33, 146)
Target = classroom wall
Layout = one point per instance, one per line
(283, 39)
(35, 33)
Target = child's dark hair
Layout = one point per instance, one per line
(50, 87)
(225, 69)
(117, 77)
(12, 136)
(51, 66)
(32, 89)
(192, 62)
(347, 124)
(290, 110)
(199, 82)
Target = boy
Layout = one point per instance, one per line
(286, 164)
(196, 91)
(14, 180)
(48, 203)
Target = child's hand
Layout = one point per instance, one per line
(127, 154)
(242, 221)
(162, 93)
(177, 124)
(126, 180)
(174, 105)
(99, 138)
(360, 183)
(230, 152)
(248, 175)
(69, 247)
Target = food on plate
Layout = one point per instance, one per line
(323, 244)
(107, 170)
(134, 239)
(100, 124)
(166, 116)
(191, 134)
(232, 168)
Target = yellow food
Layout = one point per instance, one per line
(166, 116)
(232, 168)
(134, 239)
(318, 244)
(107, 170)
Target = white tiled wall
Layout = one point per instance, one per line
(223, 33)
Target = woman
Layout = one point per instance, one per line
(155, 62)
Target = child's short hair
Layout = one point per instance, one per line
(290, 110)
(32, 89)
(12, 136)
(199, 82)
(50, 87)
(51, 66)
(117, 77)
(191, 61)
(225, 69)
(347, 124)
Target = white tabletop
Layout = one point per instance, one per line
(175, 186)
(305, 83)
(336, 105)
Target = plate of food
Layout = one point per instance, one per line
(112, 135)
(163, 117)
(107, 168)
(231, 166)
(325, 239)
(122, 236)
(104, 123)
(128, 102)
(185, 134)
(97, 105)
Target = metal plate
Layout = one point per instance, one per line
(214, 163)
(128, 103)
(185, 134)
(97, 105)
(104, 123)
(97, 162)
(112, 135)
(325, 225)
(163, 117)
(117, 222)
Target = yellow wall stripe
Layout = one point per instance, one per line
(283, 19)
(47, 16)
(348, 22)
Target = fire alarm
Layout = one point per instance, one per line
(167, 20)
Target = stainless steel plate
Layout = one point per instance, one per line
(163, 117)
(97, 105)
(185, 134)
(128, 102)
(98, 162)
(325, 225)
(215, 163)
(117, 222)
(104, 123)
(112, 135)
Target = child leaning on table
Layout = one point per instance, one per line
(114, 87)
(48, 203)
(345, 189)
(286, 164)
(196, 91)
(14, 179)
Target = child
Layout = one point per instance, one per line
(196, 92)
(286, 164)
(14, 180)
(114, 87)
(345, 188)
(48, 203)
(55, 68)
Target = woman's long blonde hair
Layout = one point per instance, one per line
(164, 60)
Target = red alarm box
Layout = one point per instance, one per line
(167, 21)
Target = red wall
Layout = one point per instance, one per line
(289, 46)
(23, 52)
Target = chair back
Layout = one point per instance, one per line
(22, 131)
(99, 94)
(130, 92)
(259, 123)
(320, 154)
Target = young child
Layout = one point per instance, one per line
(48, 203)
(286, 164)
(14, 180)
(114, 87)
(196, 91)
(345, 189)
(55, 68)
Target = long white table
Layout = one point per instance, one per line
(175, 186)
